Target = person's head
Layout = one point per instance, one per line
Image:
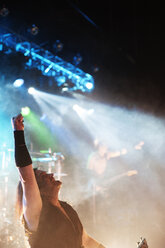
(48, 186)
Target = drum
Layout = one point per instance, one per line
(6, 159)
(49, 162)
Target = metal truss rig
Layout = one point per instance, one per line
(48, 63)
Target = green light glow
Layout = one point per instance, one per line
(25, 111)
(40, 133)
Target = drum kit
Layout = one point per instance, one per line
(45, 160)
(49, 161)
(5, 159)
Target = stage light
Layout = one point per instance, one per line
(48, 68)
(77, 59)
(60, 80)
(45, 61)
(34, 30)
(65, 89)
(31, 91)
(25, 111)
(58, 46)
(89, 85)
(1, 46)
(18, 82)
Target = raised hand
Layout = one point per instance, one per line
(17, 123)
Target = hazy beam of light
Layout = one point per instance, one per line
(53, 108)
(60, 103)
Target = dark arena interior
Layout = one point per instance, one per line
(87, 76)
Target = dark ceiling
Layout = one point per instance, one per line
(121, 38)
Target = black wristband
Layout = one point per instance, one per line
(22, 156)
(19, 137)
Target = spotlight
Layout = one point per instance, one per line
(77, 59)
(34, 30)
(64, 89)
(25, 111)
(1, 46)
(31, 91)
(89, 85)
(58, 46)
(60, 80)
(18, 82)
(48, 68)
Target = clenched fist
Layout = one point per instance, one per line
(17, 123)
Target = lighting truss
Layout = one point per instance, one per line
(45, 61)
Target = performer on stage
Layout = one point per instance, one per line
(97, 164)
(49, 222)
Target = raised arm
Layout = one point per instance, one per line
(31, 199)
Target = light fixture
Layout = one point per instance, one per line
(46, 62)
(58, 46)
(31, 91)
(18, 82)
(25, 111)
(60, 80)
(65, 87)
(77, 59)
(89, 85)
(1, 46)
(34, 30)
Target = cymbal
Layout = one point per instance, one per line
(44, 159)
(60, 174)
(37, 153)
(7, 149)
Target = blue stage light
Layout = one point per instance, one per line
(31, 91)
(1, 46)
(18, 82)
(60, 80)
(48, 63)
(89, 85)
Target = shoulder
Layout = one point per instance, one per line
(65, 204)
(69, 208)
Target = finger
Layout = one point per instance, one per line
(19, 116)
(19, 119)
